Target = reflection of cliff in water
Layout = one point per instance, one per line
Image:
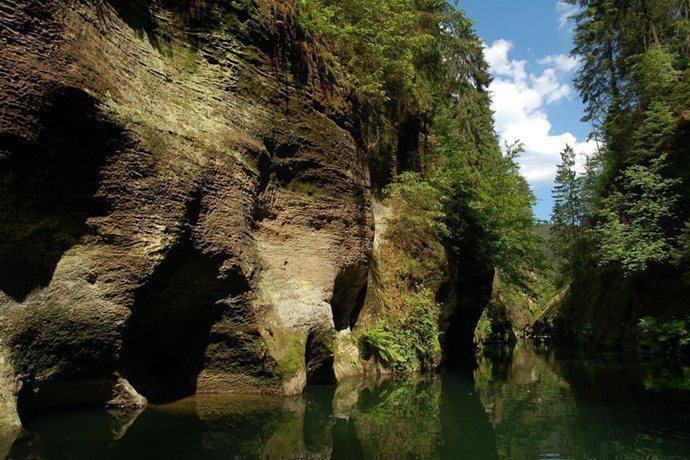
(524, 402)
(467, 432)
(414, 417)
(631, 406)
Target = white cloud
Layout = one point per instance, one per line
(519, 101)
(562, 62)
(566, 11)
(497, 57)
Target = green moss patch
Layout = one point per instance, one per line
(309, 189)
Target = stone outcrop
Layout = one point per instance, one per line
(10, 426)
(186, 206)
(183, 206)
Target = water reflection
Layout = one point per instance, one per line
(546, 403)
(521, 403)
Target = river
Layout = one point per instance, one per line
(526, 402)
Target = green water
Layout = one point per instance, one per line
(527, 402)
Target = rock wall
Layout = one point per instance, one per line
(10, 425)
(467, 293)
(186, 204)
(183, 204)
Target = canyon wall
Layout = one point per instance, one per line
(186, 204)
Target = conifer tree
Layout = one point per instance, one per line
(635, 82)
(568, 207)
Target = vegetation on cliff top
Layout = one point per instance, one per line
(422, 60)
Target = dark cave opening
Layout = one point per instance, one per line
(174, 313)
(467, 293)
(319, 358)
(48, 189)
(349, 292)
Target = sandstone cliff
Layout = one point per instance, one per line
(186, 206)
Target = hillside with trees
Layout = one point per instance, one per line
(622, 228)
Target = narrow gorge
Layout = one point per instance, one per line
(344, 229)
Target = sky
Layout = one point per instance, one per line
(533, 96)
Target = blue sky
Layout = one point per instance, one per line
(533, 95)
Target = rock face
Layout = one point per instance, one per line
(10, 426)
(184, 206)
(468, 292)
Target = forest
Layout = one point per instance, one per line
(623, 221)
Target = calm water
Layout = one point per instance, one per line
(524, 403)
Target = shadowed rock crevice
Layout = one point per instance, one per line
(467, 293)
(407, 154)
(174, 312)
(47, 189)
(349, 293)
(319, 359)
(136, 13)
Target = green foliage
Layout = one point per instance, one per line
(486, 332)
(414, 255)
(487, 202)
(399, 52)
(372, 39)
(632, 220)
(635, 82)
(668, 335)
(418, 211)
(408, 343)
(484, 329)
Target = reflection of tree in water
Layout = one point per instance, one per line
(529, 405)
(577, 405)
(429, 417)
(361, 419)
(521, 403)
(398, 418)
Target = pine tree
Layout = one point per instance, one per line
(568, 207)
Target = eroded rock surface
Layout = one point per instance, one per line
(183, 205)
(186, 207)
(10, 426)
